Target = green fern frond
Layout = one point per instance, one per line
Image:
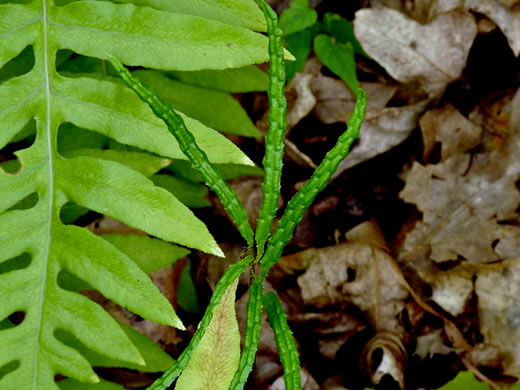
(32, 351)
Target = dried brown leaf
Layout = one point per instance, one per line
(507, 19)
(301, 100)
(358, 274)
(449, 127)
(430, 56)
(498, 289)
(465, 201)
(386, 356)
(369, 233)
(431, 344)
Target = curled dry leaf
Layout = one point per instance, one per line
(293, 153)
(268, 367)
(493, 114)
(334, 383)
(430, 56)
(370, 233)
(354, 273)
(485, 355)
(466, 201)
(385, 355)
(300, 103)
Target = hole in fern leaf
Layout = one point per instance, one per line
(12, 320)
(25, 137)
(16, 263)
(79, 64)
(71, 137)
(71, 282)
(11, 166)
(20, 64)
(9, 162)
(72, 213)
(6, 324)
(8, 368)
(16, 318)
(26, 203)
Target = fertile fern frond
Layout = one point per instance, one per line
(32, 352)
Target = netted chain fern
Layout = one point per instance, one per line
(254, 312)
(274, 145)
(319, 179)
(284, 340)
(58, 323)
(271, 190)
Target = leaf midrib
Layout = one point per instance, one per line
(48, 129)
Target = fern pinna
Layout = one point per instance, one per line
(36, 248)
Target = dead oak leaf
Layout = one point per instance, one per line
(507, 19)
(458, 210)
(354, 273)
(465, 201)
(498, 288)
(430, 56)
(503, 13)
(449, 127)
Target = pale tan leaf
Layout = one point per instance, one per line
(498, 289)
(430, 56)
(453, 130)
(507, 19)
(301, 100)
(359, 274)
